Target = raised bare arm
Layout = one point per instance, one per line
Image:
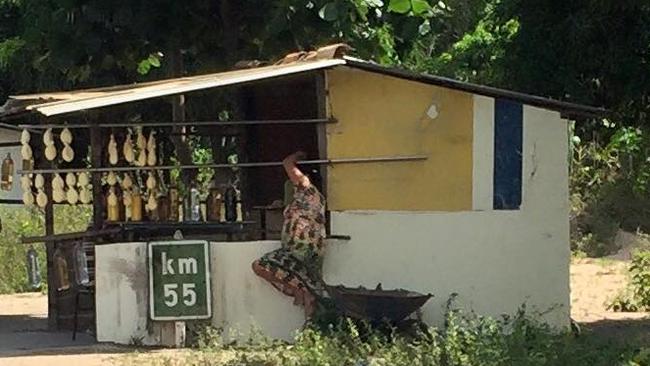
(296, 176)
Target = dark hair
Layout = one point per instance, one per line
(314, 177)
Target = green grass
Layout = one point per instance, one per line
(467, 340)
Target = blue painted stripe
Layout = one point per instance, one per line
(508, 136)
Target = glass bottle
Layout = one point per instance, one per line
(222, 211)
(238, 207)
(214, 205)
(136, 205)
(113, 208)
(61, 270)
(230, 200)
(7, 175)
(173, 203)
(163, 208)
(28, 164)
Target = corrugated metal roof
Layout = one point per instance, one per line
(66, 102)
(50, 104)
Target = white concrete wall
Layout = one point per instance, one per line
(483, 153)
(494, 260)
(121, 293)
(242, 301)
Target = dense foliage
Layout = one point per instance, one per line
(636, 297)
(18, 222)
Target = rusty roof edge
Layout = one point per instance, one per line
(568, 108)
(195, 83)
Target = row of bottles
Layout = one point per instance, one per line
(217, 207)
(61, 268)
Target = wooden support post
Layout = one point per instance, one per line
(52, 310)
(96, 149)
(170, 333)
(321, 131)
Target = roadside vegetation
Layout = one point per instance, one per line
(466, 340)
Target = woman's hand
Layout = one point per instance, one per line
(297, 177)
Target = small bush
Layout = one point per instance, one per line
(640, 277)
(624, 302)
(636, 297)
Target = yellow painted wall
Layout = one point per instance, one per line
(380, 115)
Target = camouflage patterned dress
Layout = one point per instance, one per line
(295, 268)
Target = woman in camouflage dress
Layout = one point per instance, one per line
(295, 268)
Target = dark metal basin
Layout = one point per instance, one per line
(378, 304)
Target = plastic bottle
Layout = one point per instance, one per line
(33, 269)
(195, 205)
(7, 176)
(81, 263)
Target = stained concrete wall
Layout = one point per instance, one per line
(241, 301)
(121, 293)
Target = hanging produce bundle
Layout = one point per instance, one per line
(151, 183)
(152, 202)
(41, 197)
(127, 185)
(127, 149)
(58, 189)
(48, 141)
(25, 150)
(141, 143)
(66, 138)
(151, 147)
(112, 150)
(85, 194)
(71, 194)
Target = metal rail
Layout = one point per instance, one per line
(185, 123)
(386, 159)
(70, 236)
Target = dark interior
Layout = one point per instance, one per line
(293, 98)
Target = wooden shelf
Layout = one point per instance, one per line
(187, 228)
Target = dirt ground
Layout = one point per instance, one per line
(24, 341)
(593, 283)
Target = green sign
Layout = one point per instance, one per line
(179, 280)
